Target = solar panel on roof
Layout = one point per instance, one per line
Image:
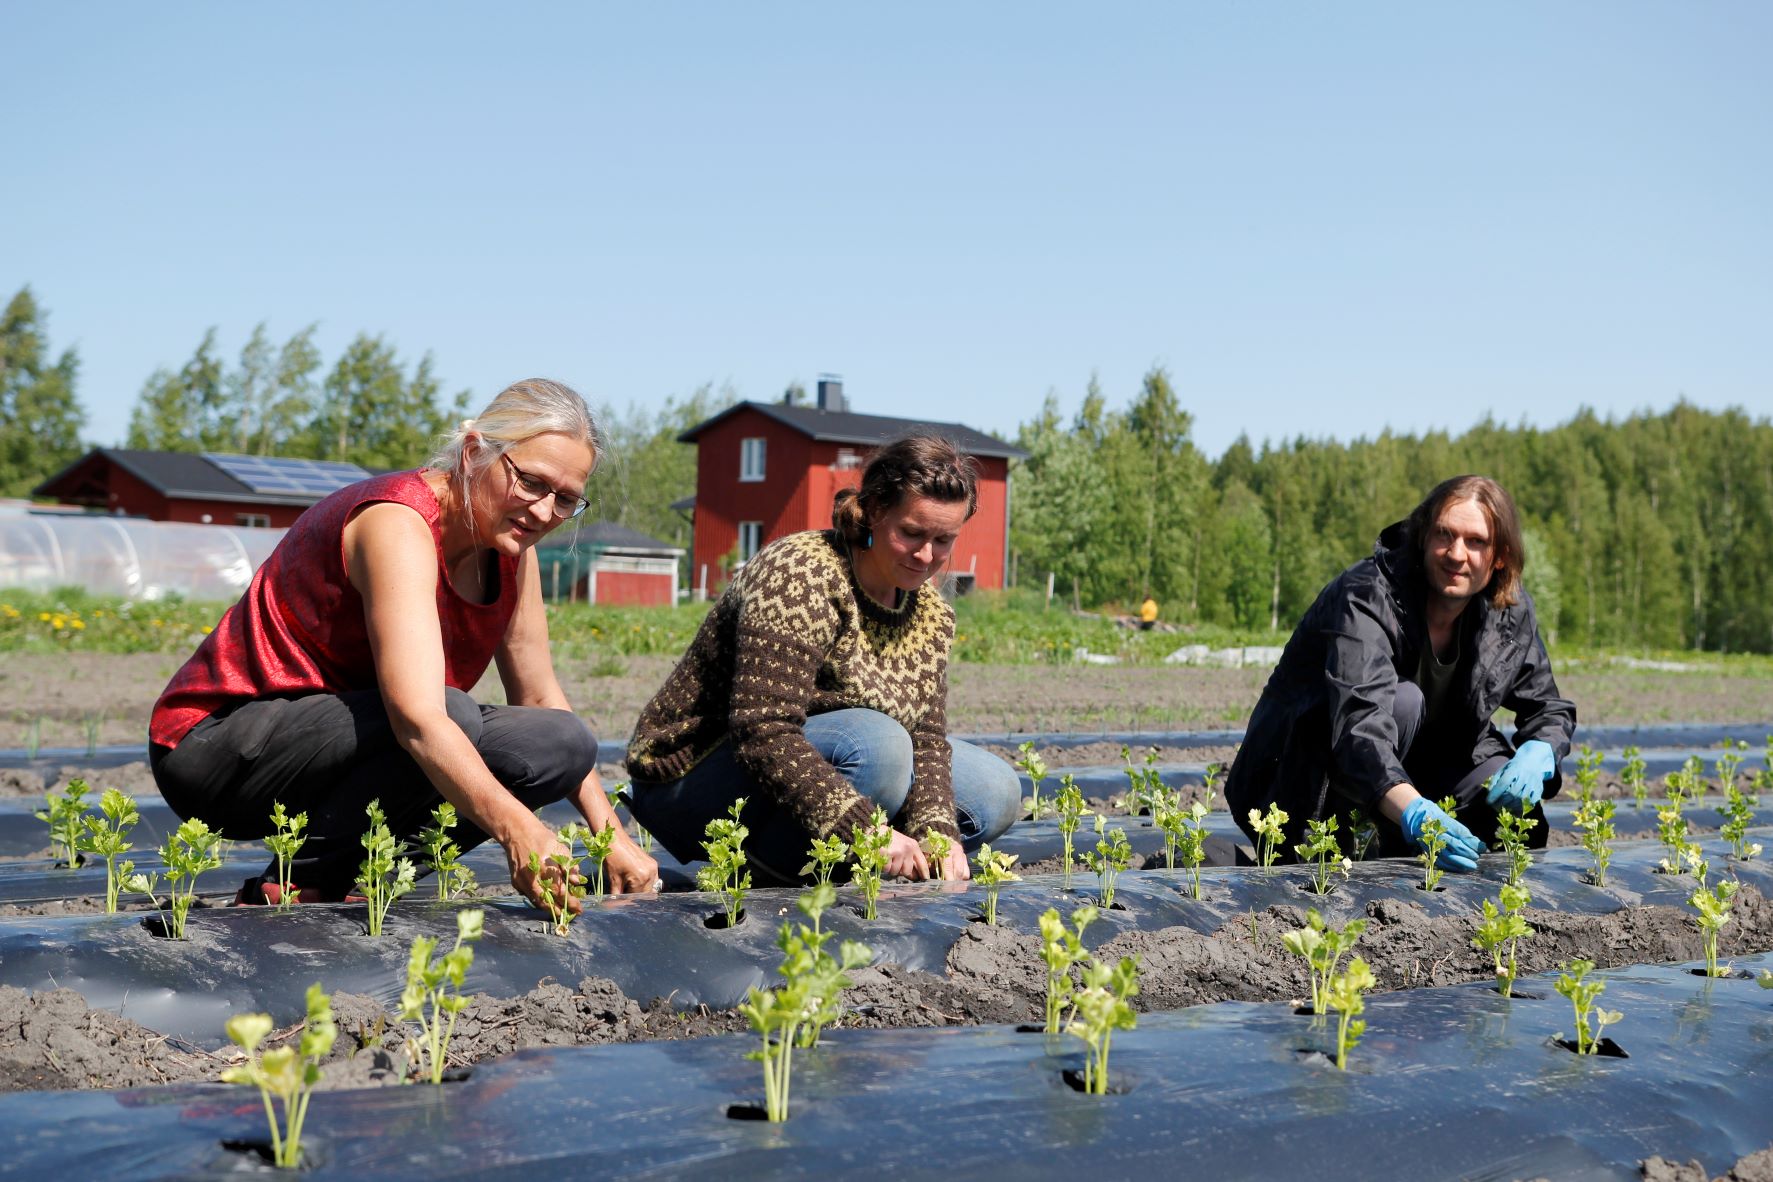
(276, 475)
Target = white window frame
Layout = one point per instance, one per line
(752, 457)
(749, 532)
(253, 520)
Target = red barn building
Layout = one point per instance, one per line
(764, 470)
(207, 488)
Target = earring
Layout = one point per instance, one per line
(868, 542)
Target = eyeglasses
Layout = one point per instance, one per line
(534, 490)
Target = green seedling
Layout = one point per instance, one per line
(65, 814)
(623, 794)
(1138, 781)
(821, 974)
(284, 1075)
(1583, 995)
(444, 855)
(1713, 906)
(1671, 831)
(1167, 815)
(1363, 834)
(1346, 997)
(1269, 830)
(868, 852)
(1738, 816)
(107, 836)
(1321, 849)
(991, 871)
(1099, 1008)
(828, 854)
(386, 874)
(1588, 772)
(1031, 763)
(936, 847)
(1111, 855)
(1501, 930)
(1595, 819)
(94, 723)
(286, 839)
(1631, 777)
(33, 736)
(810, 977)
(572, 882)
(1728, 761)
(1322, 947)
(1434, 840)
(597, 850)
(1193, 844)
(725, 873)
(1071, 807)
(1511, 839)
(188, 852)
(1061, 948)
(142, 883)
(433, 995)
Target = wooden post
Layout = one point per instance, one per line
(1049, 602)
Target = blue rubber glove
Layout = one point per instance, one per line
(1462, 849)
(1521, 782)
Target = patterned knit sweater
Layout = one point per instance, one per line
(795, 636)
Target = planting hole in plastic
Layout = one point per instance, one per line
(746, 1112)
(1074, 1079)
(1724, 975)
(1606, 1048)
(253, 1155)
(718, 921)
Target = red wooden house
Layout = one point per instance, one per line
(766, 469)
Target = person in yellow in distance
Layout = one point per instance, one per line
(1147, 614)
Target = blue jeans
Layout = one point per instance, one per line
(868, 749)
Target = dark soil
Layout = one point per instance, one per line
(1756, 1167)
(1108, 755)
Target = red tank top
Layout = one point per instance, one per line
(299, 629)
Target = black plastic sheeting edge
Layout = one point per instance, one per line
(240, 959)
(1449, 1083)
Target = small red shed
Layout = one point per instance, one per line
(208, 488)
(767, 469)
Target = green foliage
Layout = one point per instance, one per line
(1061, 948)
(1512, 829)
(1030, 761)
(1588, 772)
(725, 872)
(285, 1076)
(40, 414)
(1320, 848)
(1583, 994)
(1269, 834)
(868, 852)
(827, 855)
(107, 836)
(1434, 840)
(1345, 996)
(1322, 947)
(69, 620)
(1713, 906)
(187, 853)
(597, 848)
(936, 847)
(386, 874)
(65, 814)
(1728, 761)
(286, 839)
(992, 868)
(1111, 856)
(572, 884)
(1099, 1008)
(1595, 819)
(444, 856)
(1070, 806)
(1672, 828)
(1738, 815)
(1631, 777)
(1501, 929)
(644, 469)
(433, 995)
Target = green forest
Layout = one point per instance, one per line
(1651, 532)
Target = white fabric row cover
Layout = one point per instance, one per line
(130, 557)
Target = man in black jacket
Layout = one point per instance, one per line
(1383, 699)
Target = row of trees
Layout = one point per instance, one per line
(1653, 531)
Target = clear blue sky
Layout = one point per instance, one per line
(1322, 218)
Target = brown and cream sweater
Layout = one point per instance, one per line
(794, 636)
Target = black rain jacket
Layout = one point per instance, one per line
(1323, 739)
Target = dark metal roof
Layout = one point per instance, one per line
(607, 535)
(172, 474)
(838, 426)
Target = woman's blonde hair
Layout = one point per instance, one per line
(522, 410)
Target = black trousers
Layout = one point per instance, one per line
(329, 755)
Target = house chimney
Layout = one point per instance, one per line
(831, 393)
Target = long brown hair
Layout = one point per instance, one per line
(916, 465)
(1505, 530)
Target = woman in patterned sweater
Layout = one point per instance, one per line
(817, 688)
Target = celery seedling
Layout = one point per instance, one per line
(433, 992)
(935, 847)
(1714, 912)
(1362, 834)
(818, 971)
(1099, 1008)
(868, 849)
(1322, 947)
(1320, 848)
(1268, 829)
(1070, 807)
(1194, 839)
(1111, 855)
(1030, 762)
(597, 849)
(1061, 948)
(1511, 838)
(1588, 772)
(812, 981)
(1631, 777)
(283, 844)
(65, 815)
(1501, 930)
(287, 1074)
(828, 854)
(188, 852)
(1595, 819)
(1671, 831)
(1728, 762)
(1345, 998)
(384, 872)
(1167, 815)
(444, 855)
(572, 885)
(993, 870)
(1434, 840)
(1583, 994)
(107, 836)
(725, 872)
(1738, 816)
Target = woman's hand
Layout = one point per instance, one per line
(632, 871)
(537, 838)
(955, 867)
(906, 859)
